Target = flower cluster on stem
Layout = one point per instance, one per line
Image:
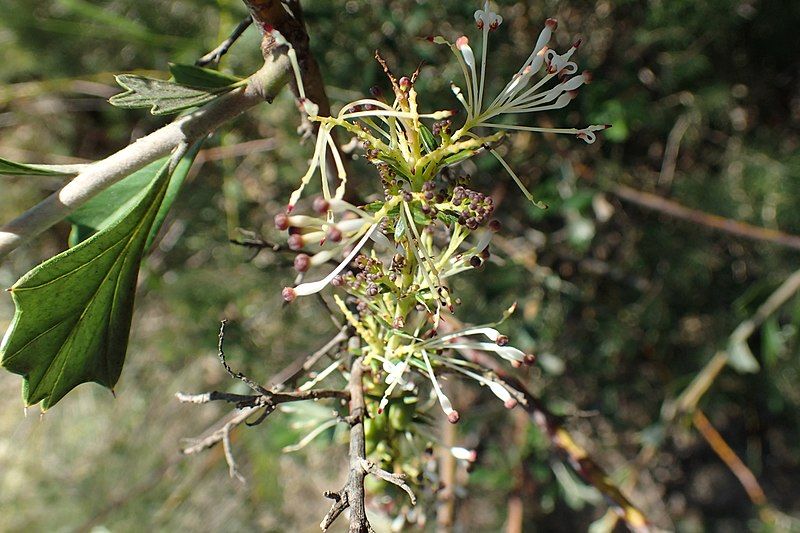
(394, 256)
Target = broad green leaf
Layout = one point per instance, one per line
(199, 77)
(21, 169)
(73, 312)
(161, 96)
(95, 214)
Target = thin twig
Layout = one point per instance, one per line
(671, 149)
(395, 479)
(734, 227)
(352, 495)
(216, 54)
(446, 495)
(729, 457)
(258, 400)
(258, 389)
(226, 446)
(689, 398)
(232, 420)
(302, 365)
(264, 400)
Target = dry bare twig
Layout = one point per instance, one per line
(352, 495)
(727, 225)
(264, 400)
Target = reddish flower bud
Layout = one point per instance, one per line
(334, 234)
(530, 359)
(295, 242)
(282, 221)
(405, 83)
(502, 340)
(288, 294)
(510, 403)
(320, 205)
(551, 23)
(302, 262)
(453, 417)
(495, 225)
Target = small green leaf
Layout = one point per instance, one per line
(373, 207)
(73, 312)
(419, 217)
(428, 139)
(741, 358)
(448, 217)
(21, 169)
(458, 157)
(162, 97)
(95, 214)
(199, 77)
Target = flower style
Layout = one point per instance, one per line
(517, 97)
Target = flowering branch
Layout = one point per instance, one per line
(393, 258)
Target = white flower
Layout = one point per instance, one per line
(444, 401)
(486, 19)
(393, 378)
(304, 289)
(519, 96)
(464, 454)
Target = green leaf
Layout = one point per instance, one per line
(98, 212)
(373, 207)
(21, 169)
(458, 157)
(199, 77)
(399, 228)
(419, 217)
(448, 217)
(428, 139)
(162, 97)
(73, 312)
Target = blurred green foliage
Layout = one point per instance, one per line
(623, 305)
